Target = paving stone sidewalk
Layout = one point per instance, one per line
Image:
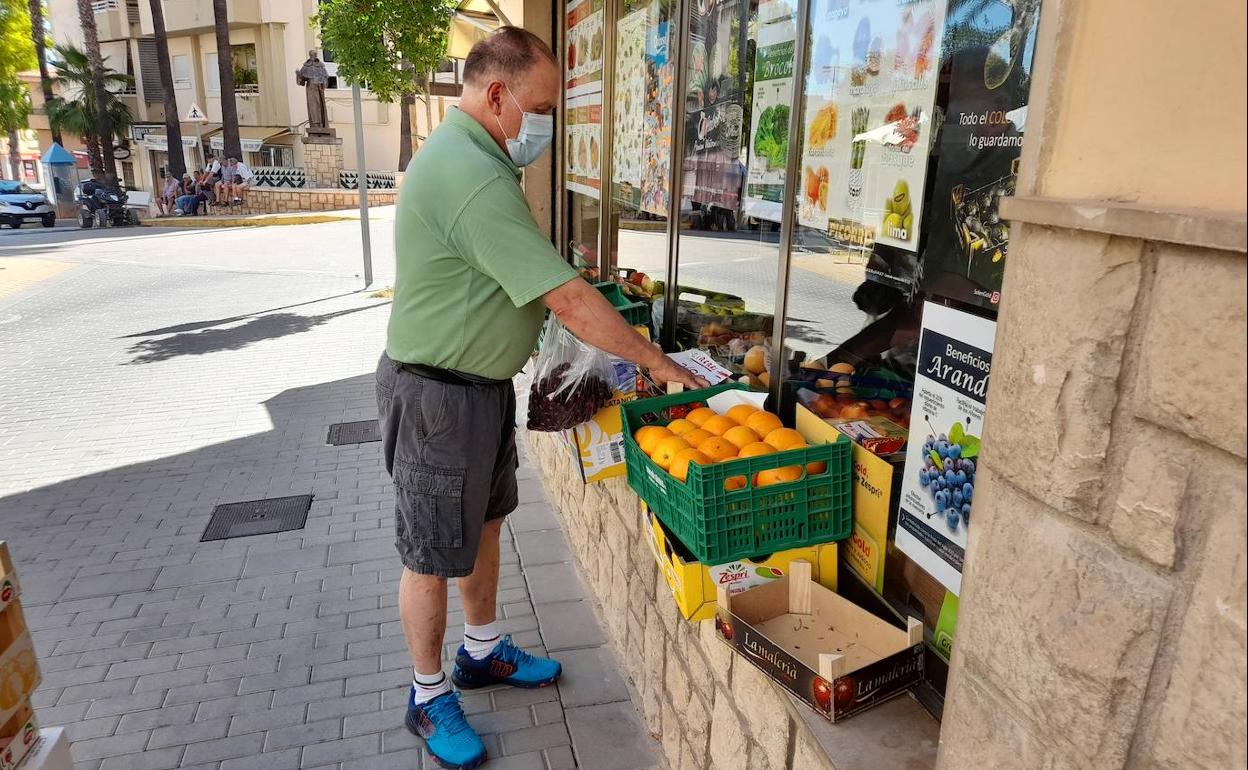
(132, 417)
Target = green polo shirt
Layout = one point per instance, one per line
(472, 264)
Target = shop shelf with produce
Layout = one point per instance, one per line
(717, 524)
(635, 313)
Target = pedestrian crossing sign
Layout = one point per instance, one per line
(195, 115)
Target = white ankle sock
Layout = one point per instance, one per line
(480, 641)
(429, 686)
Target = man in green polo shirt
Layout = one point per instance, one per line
(474, 279)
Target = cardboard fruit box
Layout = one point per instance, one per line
(694, 584)
(835, 656)
(51, 751)
(19, 671)
(17, 736)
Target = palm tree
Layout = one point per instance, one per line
(39, 34)
(173, 129)
(74, 111)
(14, 108)
(225, 65)
(107, 164)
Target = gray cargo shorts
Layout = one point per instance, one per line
(451, 451)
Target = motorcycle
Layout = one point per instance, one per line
(102, 206)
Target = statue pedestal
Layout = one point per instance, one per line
(322, 159)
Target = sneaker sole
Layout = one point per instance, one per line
(407, 721)
(464, 684)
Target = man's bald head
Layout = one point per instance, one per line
(507, 54)
(507, 74)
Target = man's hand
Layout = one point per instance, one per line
(669, 371)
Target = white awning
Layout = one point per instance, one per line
(251, 137)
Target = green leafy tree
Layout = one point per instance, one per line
(75, 111)
(17, 53)
(392, 46)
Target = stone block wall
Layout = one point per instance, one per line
(281, 200)
(322, 160)
(1103, 616)
(708, 708)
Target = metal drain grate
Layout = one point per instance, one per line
(363, 432)
(257, 517)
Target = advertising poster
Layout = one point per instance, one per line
(583, 136)
(873, 77)
(771, 106)
(946, 423)
(656, 165)
(714, 111)
(630, 98)
(583, 47)
(981, 142)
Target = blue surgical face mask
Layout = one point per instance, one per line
(537, 131)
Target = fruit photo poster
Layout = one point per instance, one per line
(871, 87)
(946, 423)
(773, 99)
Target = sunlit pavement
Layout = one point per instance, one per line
(153, 374)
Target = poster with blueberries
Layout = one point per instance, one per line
(946, 423)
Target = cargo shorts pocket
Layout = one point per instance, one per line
(430, 504)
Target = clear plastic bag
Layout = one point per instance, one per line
(571, 380)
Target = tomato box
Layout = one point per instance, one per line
(694, 584)
(19, 671)
(51, 751)
(9, 589)
(17, 736)
(835, 656)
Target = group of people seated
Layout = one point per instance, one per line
(219, 183)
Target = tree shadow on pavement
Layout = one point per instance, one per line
(265, 327)
(196, 325)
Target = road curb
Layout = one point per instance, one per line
(255, 220)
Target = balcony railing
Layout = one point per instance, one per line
(100, 6)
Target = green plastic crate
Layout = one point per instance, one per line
(717, 525)
(636, 313)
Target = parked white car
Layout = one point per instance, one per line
(20, 204)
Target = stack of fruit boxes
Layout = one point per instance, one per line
(19, 671)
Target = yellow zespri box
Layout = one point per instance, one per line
(694, 584)
(874, 499)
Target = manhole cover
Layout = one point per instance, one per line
(257, 517)
(341, 433)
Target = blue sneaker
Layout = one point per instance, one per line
(447, 735)
(508, 664)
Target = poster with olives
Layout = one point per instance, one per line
(990, 51)
(583, 137)
(946, 424)
(630, 96)
(584, 41)
(871, 87)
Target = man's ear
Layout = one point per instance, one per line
(494, 97)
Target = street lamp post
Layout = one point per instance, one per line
(362, 182)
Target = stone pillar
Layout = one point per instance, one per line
(322, 160)
(1102, 621)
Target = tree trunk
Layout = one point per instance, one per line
(406, 102)
(428, 104)
(105, 165)
(225, 65)
(39, 34)
(15, 162)
(173, 129)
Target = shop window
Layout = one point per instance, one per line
(735, 124)
(643, 75)
(912, 120)
(584, 44)
(212, 73)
